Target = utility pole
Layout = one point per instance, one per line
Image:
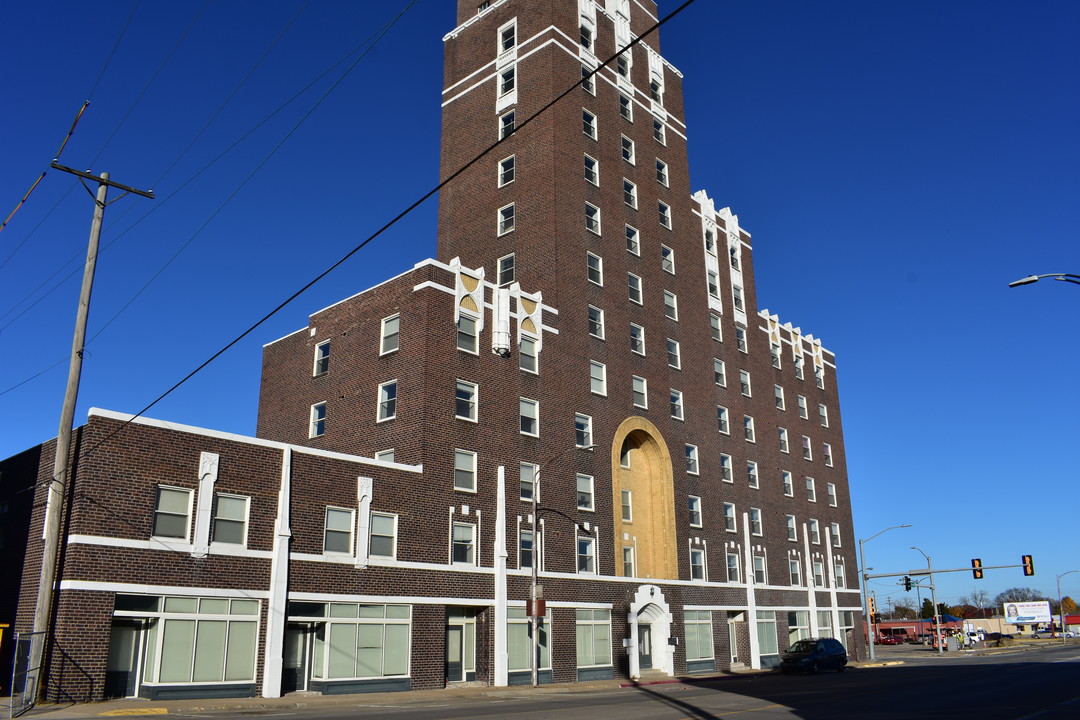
(58, 485)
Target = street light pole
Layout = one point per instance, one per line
(1064, 277)
(1061, 610)
(865, 592)
(933, 599)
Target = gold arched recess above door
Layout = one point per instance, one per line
(643, 502)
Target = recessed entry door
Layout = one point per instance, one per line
(645, 647)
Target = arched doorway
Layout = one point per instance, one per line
(650, 632)
(643, 502)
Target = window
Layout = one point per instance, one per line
(815, 532)
(760, 578)
(525, 549)
(506, 219)
(530, 416)
(527, 356)
(629, 190)
(338, 532)
(322, 358)
(733, 254)
(628, 562)
(586, 37)
(823, 414)
(722, 420)
(807, 453)
(626, 107)
(802, 407)
(752, 474)
(661, 172)
(622, 66)
(593, 637)
(507, 37)
(506, 125)
(592, 171)
(778, 393)
(383, 542)
(586, 555)
(667, 259)
(825, 628)
(744, 382)
(656, 91)
(830, 493)
(798, 625)
(755, 521)
(697, 629)
(390, 335)
(465, 470)
(792, 528)
(637, 339)
(673, 354)
(671, 305)
(665, 214)
(385, 455)
(697, 564)
(826, 454)
(231, 519)
(783, 439)
(588, 123)
(640, 392)
(732, 567)
(633, 242)
(507, 81)
(788, 482)
(748, 428)
(695, 511)
(676, 404)
(506, 171)
(627, 501)
(627, 149)
(596, 322)
(714, 325)
(172, 513)
(811, 492)
(597, 378)
(726, 473)
(387, 401)
(838, 574)
(691, 459)
(633, 283)
(819, 377)
(527, 481)
(799, 367)
(592, 218)
(587, 82)
(710, 242)
(464, 544)
(595, 269)
(468, 339)
(585, 500)
(317, 424)
(794, 573)
(740, 339)
(583, 430)
(730, 524)
(834, 534)
(712, 280)
(466, 400)
(719, 372)
(774, 350)
(737, 297)
(658, 132)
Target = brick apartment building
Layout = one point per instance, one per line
(586, 337)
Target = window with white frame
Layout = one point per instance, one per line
(656, 91)
(595, 265)
(383, 541)
(722, 423)
(830, 492)
(667, 259)
(627, 505)
(819, 377)
(694, 503)
(710, 242)
(752, 474)
(783, 439)
(385, 455)
(799, 366)
(322, 358)
(811, 492)
(798, 624)
(788, 482)
(466, 400)
(527, 480)
(676, 403)
(674, 358)
(794, 572)
(593, 637)
(582, 430)
(778, 393)
(528, 358)
(697, 564)
(592, 218)
(633, 284)
(730, 523)
(755, 522)
(628, 561)
(834, 534)
(633, 241)
(823, 414)
(824, 628)
(465, 470)
(748, 429)
(839, 576)
(463, 549)
(737, 297)
(665, 214)
(629, 190)
(597, 378)
(507, 167)
(733, 254)
(671, 305)
(661, 172)
(317, 421)
(712, 281)
(230, 518)
(506, 124)
(815, 532)
(596, 322)
(760, 576)
(659, 132)
(506, 219)
(390, 334)
(627, 149)
(792, 528)
(637, 339)
(588, 80)
(172, 513)
(626, 107)
(774, 350)
(507, 81)
(744, 383)
(586, 37)
(801, 400)
(697, 629)
(338, 530)
(807, 453)
(691, 459)
(826, 454)
(586, 555)
(468, 339)
(507, 36)
(640, 392)
(585, 495)
(592, 171)
(530, 416)
(726, 473)
(622, 65)
(525, 548)
(733, 567)
(740, 339)
(387, 401)
(588, 123)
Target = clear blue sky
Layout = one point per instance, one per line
(897, 164)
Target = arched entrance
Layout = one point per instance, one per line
(650, 632)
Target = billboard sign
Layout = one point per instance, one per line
(1026, 613)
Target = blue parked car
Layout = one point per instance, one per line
(814, 654)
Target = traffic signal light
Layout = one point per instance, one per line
(907, 583)
(976, 568)
(1028, 563)
(872, 604)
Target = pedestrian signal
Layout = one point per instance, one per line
(1028, 563)
(976, 568)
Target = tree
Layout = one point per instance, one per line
(1068, 604)
(904, 609)
(927, 609)
(1018, 594)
